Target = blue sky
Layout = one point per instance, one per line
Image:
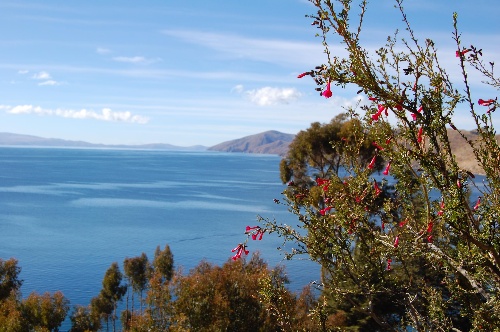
(192, 72)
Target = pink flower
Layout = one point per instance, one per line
(372, 163)
(377, 188)
(240, 249)
(377, 146)
(375, 116)
(419, 137)
(414, 115)
(257, 232)
(387, 168)
(396, 242)
(327, 93)
(441, 205)
(430, 225)
(459, 53)
(477, 203)
(486, 102)
(325, 210)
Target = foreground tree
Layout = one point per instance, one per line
(137, 270)
(9, 277)
(238, 296)
(112, 292)
(45, 312)
(425, 257)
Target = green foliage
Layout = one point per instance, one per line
(9, 277)
(420, 255)
(318, 151)
(112, 292)
(164, 262)
(83, 320)
(45, 312)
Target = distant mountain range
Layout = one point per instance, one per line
(269, 142)
(9, 139)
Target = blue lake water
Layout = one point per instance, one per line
(67, 214)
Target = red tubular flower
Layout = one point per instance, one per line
(257, 232)
(486, 102)
(399, 107)
(240, 249)
(375, 116)
(477, 203)
(377, 188)
(372, 98)
(419, 137)
(429, 239)
(325, 210)
(396, 242)
(430, 225)
(401, 224)
(372, 163)
(300, 196)
(459, 53)
(414, 115)
(387, 168)
(303, 74)
(389, 261)
(327, 93)
(441, 212)
(377, 146)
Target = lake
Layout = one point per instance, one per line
(67, 214)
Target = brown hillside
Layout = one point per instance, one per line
(463, 152)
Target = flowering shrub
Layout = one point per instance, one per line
(422, 255)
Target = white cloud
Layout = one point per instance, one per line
(102, 50)
(135, 59)
(106, 114)
(49, 82)
(23, 72)
(42, 75)
(268, 96)
(237, 88)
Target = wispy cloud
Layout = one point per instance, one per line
(49, 83)
(41, 75)
(102, 50)
(277, 51)
(136, 60)
(22, 72)
(268, 96)
(46, 79)
(106, 114)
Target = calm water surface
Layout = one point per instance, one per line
(67, 214)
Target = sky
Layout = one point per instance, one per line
(195, 72)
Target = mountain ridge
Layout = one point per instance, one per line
(268, 142)
(11, 139)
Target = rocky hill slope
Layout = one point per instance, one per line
(269, 142)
